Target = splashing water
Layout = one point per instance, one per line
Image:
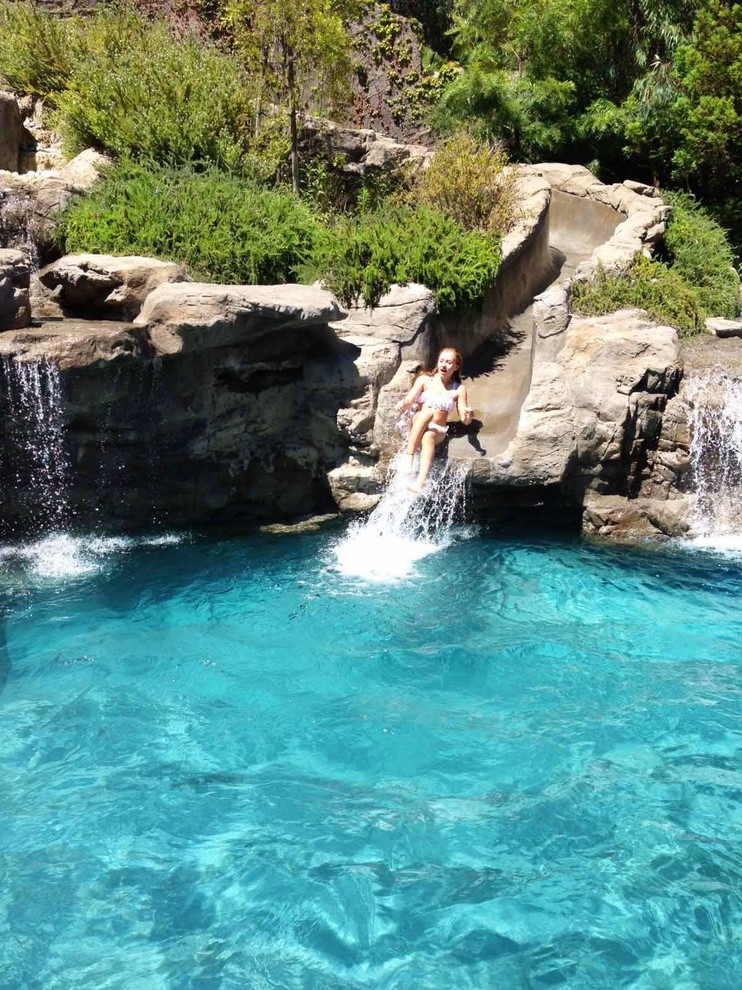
(37, 478)
(404, 527)
(61, 556)
(715, 403)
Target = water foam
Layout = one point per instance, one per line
(61, 555)
(405, 527)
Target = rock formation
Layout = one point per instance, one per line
(187, 403)
(106, 286)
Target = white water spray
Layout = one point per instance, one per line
(404, 527)
(715, 408)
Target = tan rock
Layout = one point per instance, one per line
(187, 316)
(591, 407)
(636, 518)
(403, 316)
(83, 171)
(355, 487)
(74, 344)
(724, 328)
(107, 284)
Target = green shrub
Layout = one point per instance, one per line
(222, 228)
(643, 284)
(138, 90)
(38, 52)
(470, 182)
(362, 257)
(699, 251)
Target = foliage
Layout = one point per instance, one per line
(699, 251)
(222, 228)
(293, 52)
(709, 113)
(471, 183)
(137, 90)
(434, 17)
(646, 88)
(38, 52)
(494, 105)
(362, 257)
(408, 77)
(643, 284)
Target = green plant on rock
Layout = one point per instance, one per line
(295, 53)
(642, 284)
(360, 258)
(471, 183)
(221, 227)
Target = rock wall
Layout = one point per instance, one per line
(217, 403)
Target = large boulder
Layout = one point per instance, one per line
(592, 421)
(189, 316)
(403, 317)
(106, 285)
(15, 276)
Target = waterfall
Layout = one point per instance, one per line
(715, 412)
(35, 476)
(404, 527)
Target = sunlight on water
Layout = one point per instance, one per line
(227, 765)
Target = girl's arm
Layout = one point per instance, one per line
(409, 400)
(462, 404)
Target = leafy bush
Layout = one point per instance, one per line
(222, 228)
(534, 118)
(643, 284)
(38, 52)
(470, 182)
(700, 252)
(138, 90)
(362, 257)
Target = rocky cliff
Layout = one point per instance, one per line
(188, 403)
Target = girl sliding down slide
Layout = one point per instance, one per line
(435, 393)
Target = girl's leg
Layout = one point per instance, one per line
(427, 452)
(417, 429)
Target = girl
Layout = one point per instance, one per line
(435, 393)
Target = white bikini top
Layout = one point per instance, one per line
(442, 401)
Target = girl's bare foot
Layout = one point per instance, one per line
(416, 487)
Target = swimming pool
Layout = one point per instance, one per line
(513, 762)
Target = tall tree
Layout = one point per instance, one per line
(295, 52)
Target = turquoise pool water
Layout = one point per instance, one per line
(511, 763)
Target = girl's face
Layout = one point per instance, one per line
(448, 363)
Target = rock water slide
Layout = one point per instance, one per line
(499, 373)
